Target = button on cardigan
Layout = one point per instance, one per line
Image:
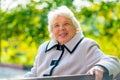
(75, 57)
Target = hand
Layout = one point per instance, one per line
(97, 71)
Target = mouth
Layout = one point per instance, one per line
(63, 35)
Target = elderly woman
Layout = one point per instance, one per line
(69, 52)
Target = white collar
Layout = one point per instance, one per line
(70, 46)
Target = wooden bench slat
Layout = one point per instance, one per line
(73, 77)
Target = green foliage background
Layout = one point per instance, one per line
(24, 29)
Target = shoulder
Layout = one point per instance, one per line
(41, 50)
(43, 46)
(88, 42)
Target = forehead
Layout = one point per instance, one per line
(61, 19)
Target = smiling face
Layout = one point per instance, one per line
(63, 29)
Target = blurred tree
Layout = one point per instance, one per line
(27, 25)
(31, 21)
(24, 29)
(103, 21)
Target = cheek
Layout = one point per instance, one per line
(72, 31)
(55, 32)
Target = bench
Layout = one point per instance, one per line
(73, 77)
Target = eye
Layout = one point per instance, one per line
(66, 24)
(56, 26)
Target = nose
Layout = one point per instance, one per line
(61, 28)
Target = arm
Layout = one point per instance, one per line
(106, 69)
(38, 61)
(33, 72)
(98, 63)
(111, 63)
